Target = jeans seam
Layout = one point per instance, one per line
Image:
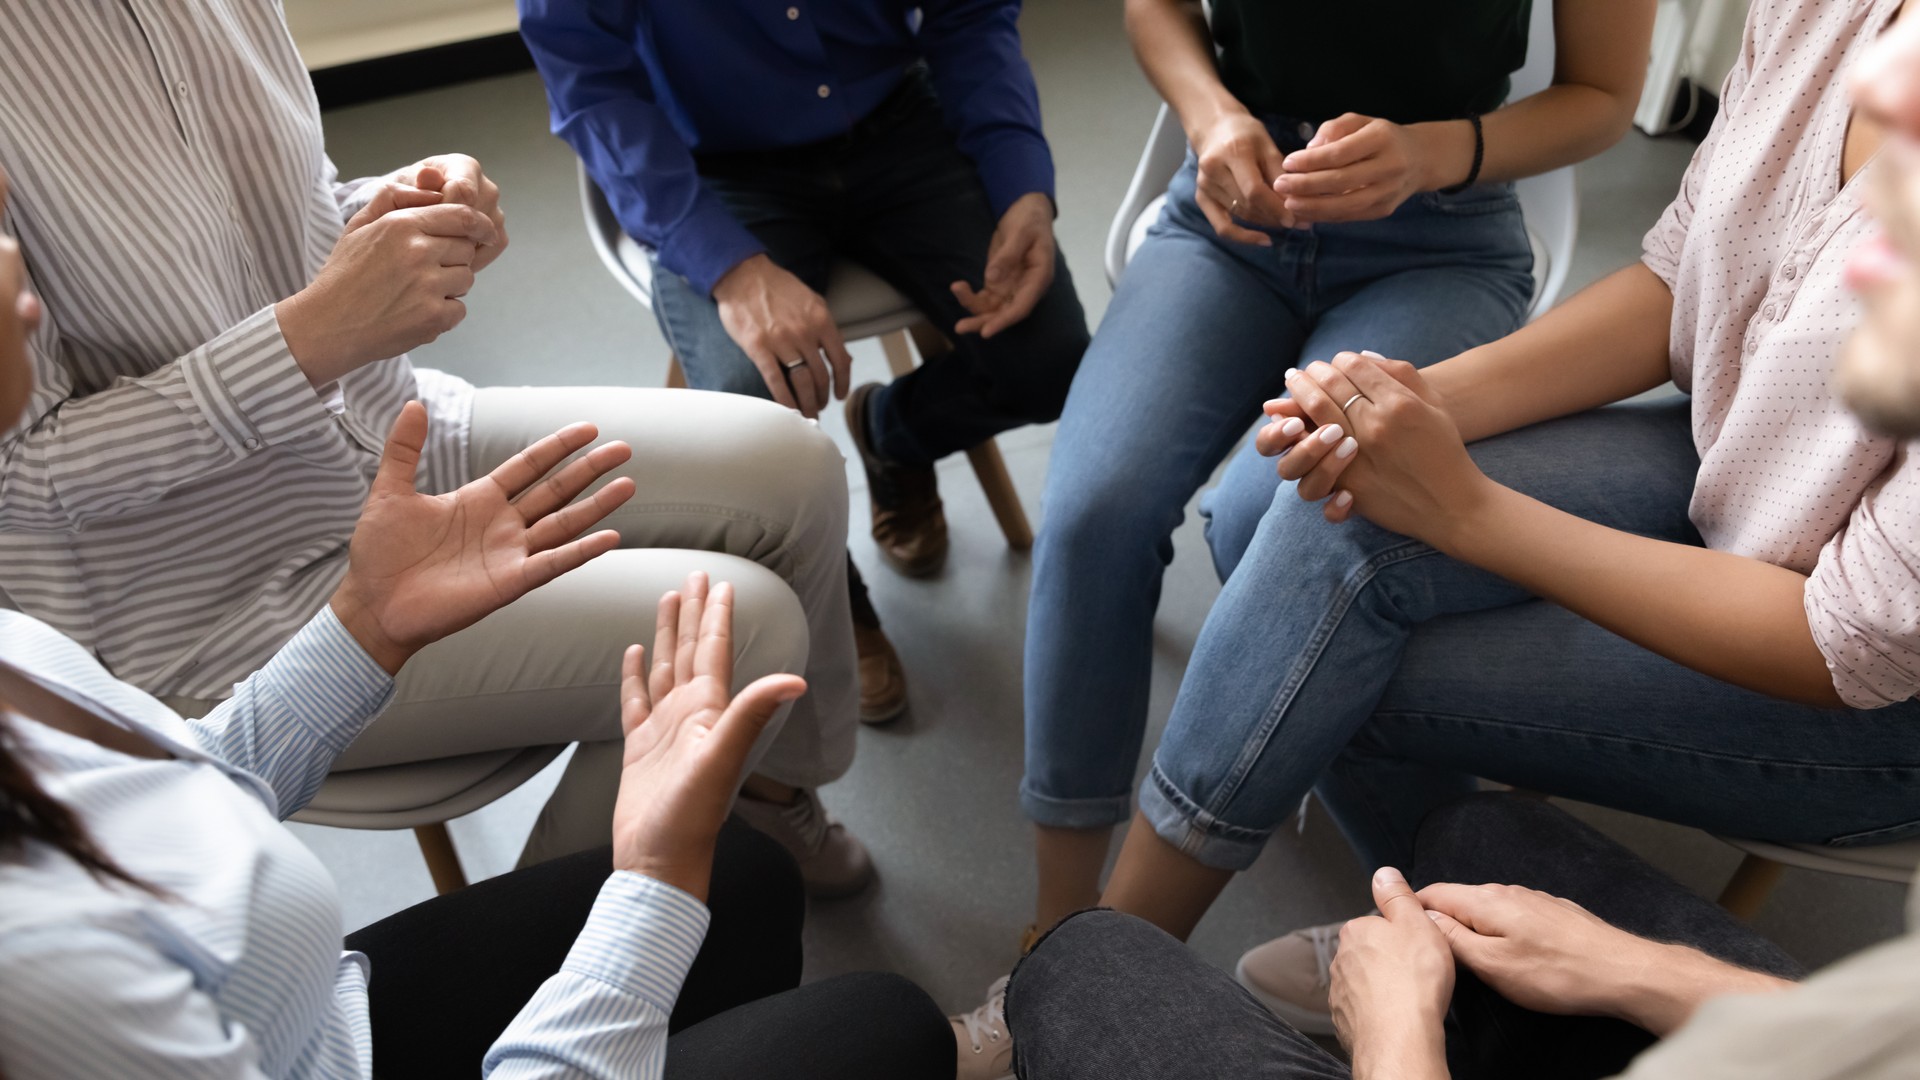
(1309, 659)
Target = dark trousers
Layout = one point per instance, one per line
(1111, 997)
(897, 196)
(451, 973)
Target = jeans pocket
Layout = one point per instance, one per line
(1886, 834)
(1478, 199)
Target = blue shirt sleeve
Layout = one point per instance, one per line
(988, 95)
(601, 102)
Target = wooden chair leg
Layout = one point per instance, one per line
(1747, 890)
(676, 375)
(987, 463)
(443, 862)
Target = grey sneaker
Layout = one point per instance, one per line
(1290, 976)
(833, 862)
(986, 1046)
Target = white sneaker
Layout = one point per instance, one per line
(986, 1046)
(833, 862)
(1291, 975)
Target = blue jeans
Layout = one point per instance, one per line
(1109, 997)
(1409, 673)
(897, 196)
(1200, 332)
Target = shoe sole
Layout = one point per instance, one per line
(1305, 1021)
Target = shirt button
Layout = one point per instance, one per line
(824, 90)
(181, 89)
(1305, 129)
(251, 444)
(1768, 313)
(1790, 272)
(793, 13)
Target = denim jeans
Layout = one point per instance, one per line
(897, 196)
(1410, 673)
(1200, 332)
(1110, 997)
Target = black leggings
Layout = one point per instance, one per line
(1109, 997)
(450, 974)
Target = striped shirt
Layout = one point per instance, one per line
(178, 498)
(241, 975)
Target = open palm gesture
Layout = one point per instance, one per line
(688, 737)
(421, 567)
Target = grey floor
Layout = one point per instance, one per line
(934, 796)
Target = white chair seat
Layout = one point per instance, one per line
(422, 792)
(862, 304)
(1880, 862)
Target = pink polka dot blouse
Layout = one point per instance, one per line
(1753, 248)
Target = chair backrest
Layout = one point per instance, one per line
(1551, 202)
(604, 230)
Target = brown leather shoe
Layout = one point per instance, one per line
(909, 523)
(883, 681)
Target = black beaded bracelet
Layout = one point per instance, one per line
(1479, 155)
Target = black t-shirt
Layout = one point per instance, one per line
(1404, 60)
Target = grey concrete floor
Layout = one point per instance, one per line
(934, 795)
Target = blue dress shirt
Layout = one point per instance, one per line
(639, 87)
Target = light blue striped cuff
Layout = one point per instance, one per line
(641, 938)
(340, 686)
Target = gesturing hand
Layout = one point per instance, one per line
(1238, 163)
(1392, 983)
(459, 179)
(687, 738)
(1019, 269)
(784, 327)
(1360, 168)
(423, 566)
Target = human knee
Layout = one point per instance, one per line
(910, 1033)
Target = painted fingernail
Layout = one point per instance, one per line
(1292, 426)
(1370, 352)
(1331, 434)
(1343, 499)
(1346, 449)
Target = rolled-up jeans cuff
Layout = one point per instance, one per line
(1057, 813)
(1196, 833)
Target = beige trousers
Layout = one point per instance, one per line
(748, 491)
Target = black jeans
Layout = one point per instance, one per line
(1108, 996)
(451, 973)
(896, 195)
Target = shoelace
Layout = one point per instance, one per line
(1326, 941)
(989, 1020)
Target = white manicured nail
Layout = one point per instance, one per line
(1292, 374)
(1331, 434)
(1370, 352)
(1346, 448)
(1292, 426)
(1343, 499)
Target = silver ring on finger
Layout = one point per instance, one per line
(1350, 402)
(791, 364)
(1234, 207)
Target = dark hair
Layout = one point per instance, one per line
(28, 813)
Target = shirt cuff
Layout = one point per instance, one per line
(641, 938)
(1014, 165)
(707, 244)
(341, 687)
(250, 387)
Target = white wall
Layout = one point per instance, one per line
(331, 32)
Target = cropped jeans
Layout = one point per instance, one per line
(1392, 675)
(1200, 332)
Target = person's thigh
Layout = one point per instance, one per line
(1106, 996)
(1537, 697)
(1309, 630)
(1509, 839)
(779, 203)
(451, 973)
(851, 1027)
(1193, 341)
(722, 473)
(1422, 316)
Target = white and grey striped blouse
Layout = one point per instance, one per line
(178, 498)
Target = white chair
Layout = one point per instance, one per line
(862, 304)
(1550, 201)
(1760, 871)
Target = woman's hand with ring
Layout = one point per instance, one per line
(1238, 163)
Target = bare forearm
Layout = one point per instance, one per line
(1676, 980)
(1171, 42)
(1737, 619)
(1607, 343)
(1402, 1055)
